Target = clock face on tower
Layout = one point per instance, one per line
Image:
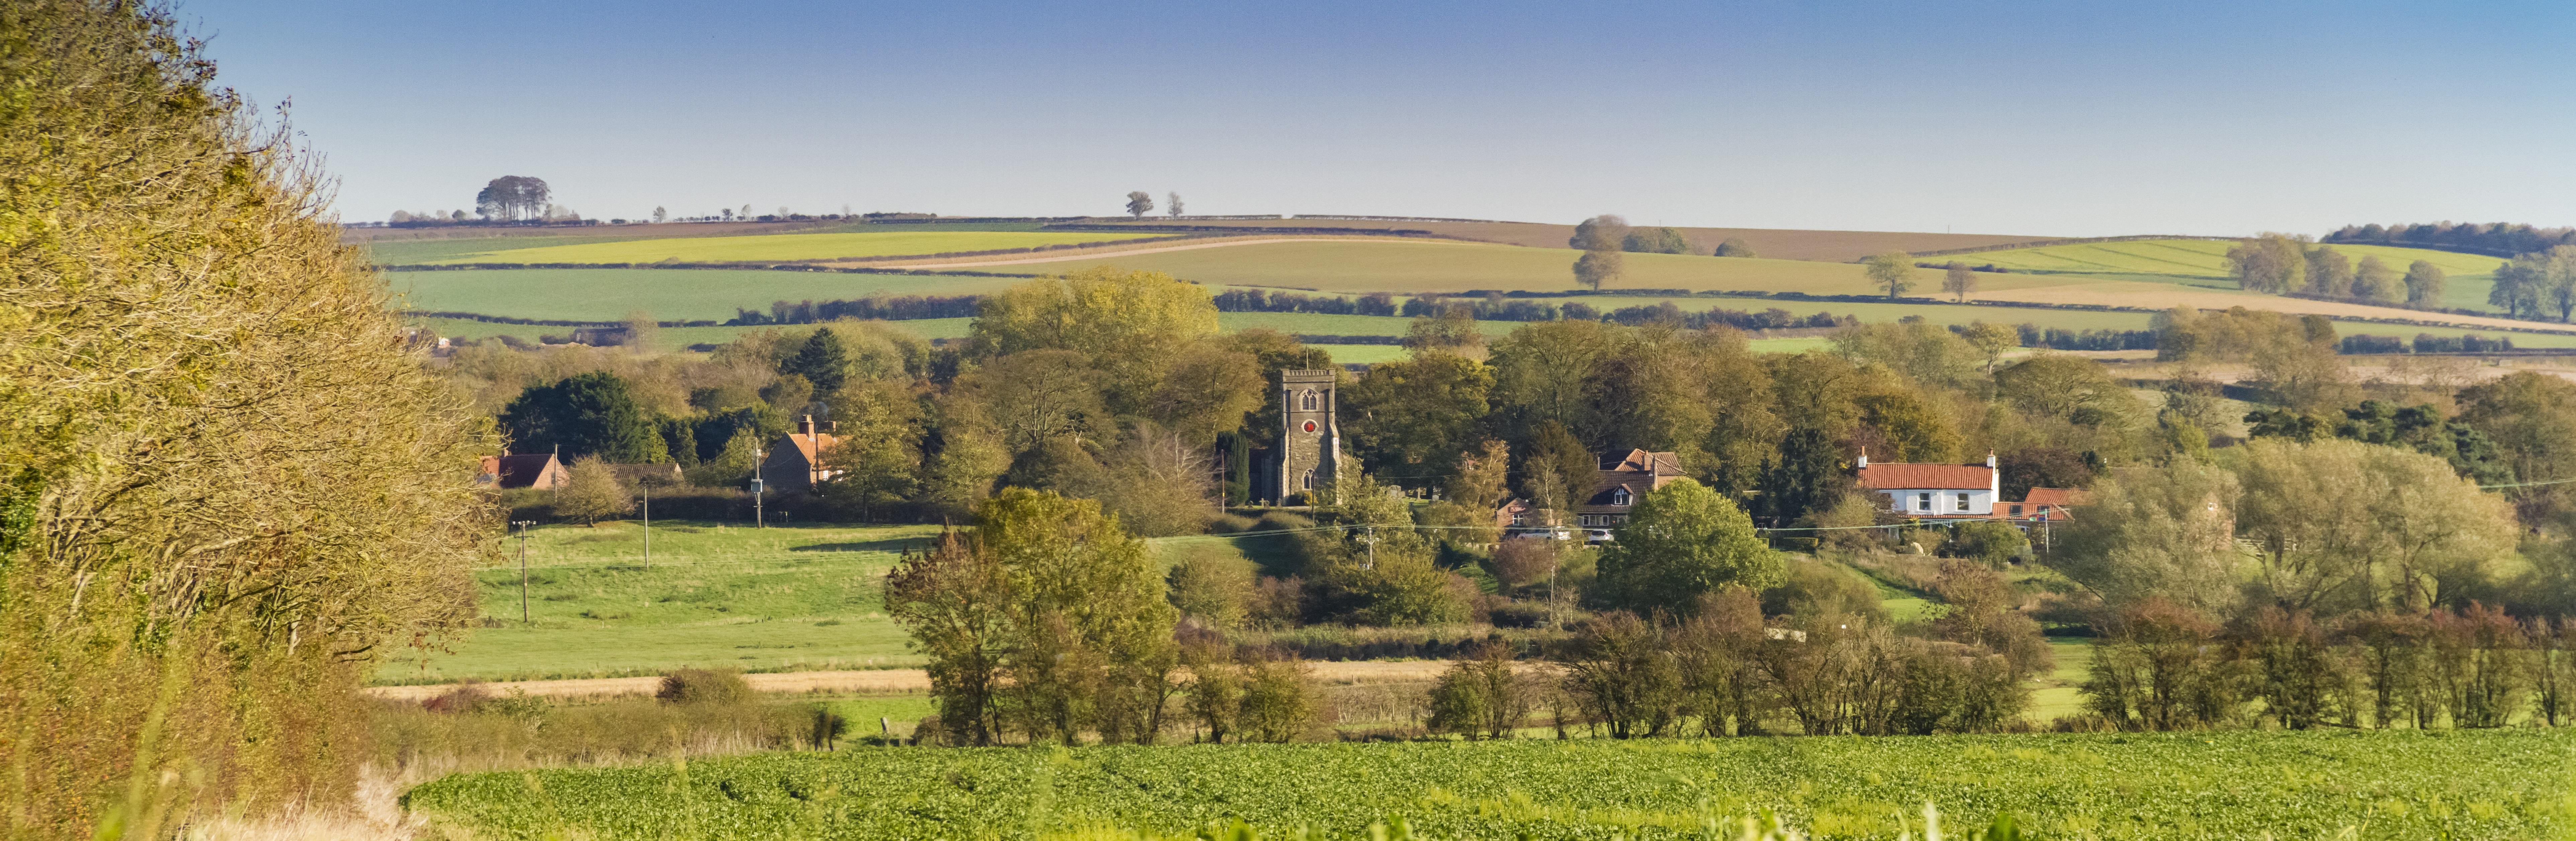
(1310, 426)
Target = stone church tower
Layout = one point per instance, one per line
(1310, 441)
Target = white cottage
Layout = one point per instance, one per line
(1935, 491)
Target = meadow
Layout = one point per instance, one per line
(668, 294)
(784, 247)
(791, 597)
(2502, 784)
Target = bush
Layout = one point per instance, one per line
(704, 687)
(1521, 563)
(1819, 587)
(1482, 696)
(1986, 541)
(1216, 590)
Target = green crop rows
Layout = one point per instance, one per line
(2495, 784)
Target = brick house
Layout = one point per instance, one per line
(795, 461)
(535, 470)
(1617, 487)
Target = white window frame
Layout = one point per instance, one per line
(1923, 500)
(1963, 500)
(1620, 497)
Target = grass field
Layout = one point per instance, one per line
(668, 294)
(1409, 267)
(2508, 784)
(786, 598)
(2204, 263)
(803, 246)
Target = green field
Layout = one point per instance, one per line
(2507, 784)
(1409, 267)
(811, 246)
(2204, 263)
(785, 598)
(668, 294)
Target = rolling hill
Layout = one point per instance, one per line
(2204, 263)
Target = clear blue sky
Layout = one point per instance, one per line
(2063, 118)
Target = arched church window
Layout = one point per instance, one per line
(1308, 402)
(1308, 481)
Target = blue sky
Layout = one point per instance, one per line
(2064, 118)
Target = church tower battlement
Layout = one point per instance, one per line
(1310, 440)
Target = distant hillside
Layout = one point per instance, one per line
(1775, 243)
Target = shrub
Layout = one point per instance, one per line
(1215, 590)
(1521, 563)
(1987, 542)
(1482, 695)
(704, 686)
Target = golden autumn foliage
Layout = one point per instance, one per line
(225, 479)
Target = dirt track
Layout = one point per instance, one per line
(866, 682)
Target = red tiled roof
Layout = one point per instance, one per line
(2060, 497)
(519, 471)
(1927, 476)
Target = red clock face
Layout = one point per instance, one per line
(1310, 426)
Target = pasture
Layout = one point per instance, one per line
(1774, 243)
(786, 598)
(668, 294)
(2501, 784)
(783, 247)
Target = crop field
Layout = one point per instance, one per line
(669, 294)
(2504, 784)
(410, 246)
(2204, 263)
(813, 246)
(1774, 243)
(785, 598)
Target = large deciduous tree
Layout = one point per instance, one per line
(2272, 263)
(511, 198)
(2164, 532)
(228, 483)
(1682, 540)
(1893, 270)
(1131, 326)
(2425, 284)
(585, 414)
(1139, 203)
(1411, 418)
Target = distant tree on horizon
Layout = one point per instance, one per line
(2374, 281)
(2425, 284)
(510, 198)
(1139, 204)
(1734, 247)
(1892, 269)
(1959, 281)
(2268, 262)
(1595, 268)
(1172, 204)
(1606, 232)
(660, 215)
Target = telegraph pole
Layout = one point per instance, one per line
(523, 567)
(647, 488)
(759, 519)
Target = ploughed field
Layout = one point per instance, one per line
(2504, 784)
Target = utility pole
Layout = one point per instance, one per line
(523, 567)
(759, 519)
(647, 488)
(1371, 540)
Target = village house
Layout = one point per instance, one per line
(1960, 492)
(535, 470)
(795, 461)
(1616, 488)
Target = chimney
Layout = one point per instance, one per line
(1990, 459)
(805, 427)
(1864, 457)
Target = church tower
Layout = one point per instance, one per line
(1310, 441)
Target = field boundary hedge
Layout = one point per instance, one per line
(1980, 249)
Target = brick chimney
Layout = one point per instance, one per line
(806, 426)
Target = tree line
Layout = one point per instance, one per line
(2498, 238)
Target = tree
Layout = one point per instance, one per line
(641, 331)
(1410, 417)
(1680, 541)
(1139, 203)
(510, 198)
(2329, 272)
(1559, 471)
(1130, 326)
(2274, 263)
(660, 215)
(2532, 417)
(231, 487)
(1453, 331)
(745, 214)
(2519, 284)
(2165, 531)
(1597, 268)
(582, 415)
(1657, 240)
(1734, 247)
(1482, 695)
(1600, 233)
(2376, 282)
(1958, 281)
(2425, 284)
(1207, 393)
(2342, 526)
(1992, 340)
(591, 492)
(1805, 476)
(956, 602)
(1892, 269)
(1172, 205)
(1479, 482)
(2558, 281)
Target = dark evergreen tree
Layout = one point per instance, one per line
(1805, 476)
(821, 362)
(586, 414)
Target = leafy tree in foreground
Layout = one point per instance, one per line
(226, 486)
(1680, 541)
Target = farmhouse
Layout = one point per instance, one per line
(535, 470)
(1617, 487)
(1960, 492)
(795, 461)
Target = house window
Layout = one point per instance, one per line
(1923, 501)
(1307, 401)
(1520, 519)
(1307, 481)
(2016, 510)
(1619, 497)
(1963, 502)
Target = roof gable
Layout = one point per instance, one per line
(1962, 477)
